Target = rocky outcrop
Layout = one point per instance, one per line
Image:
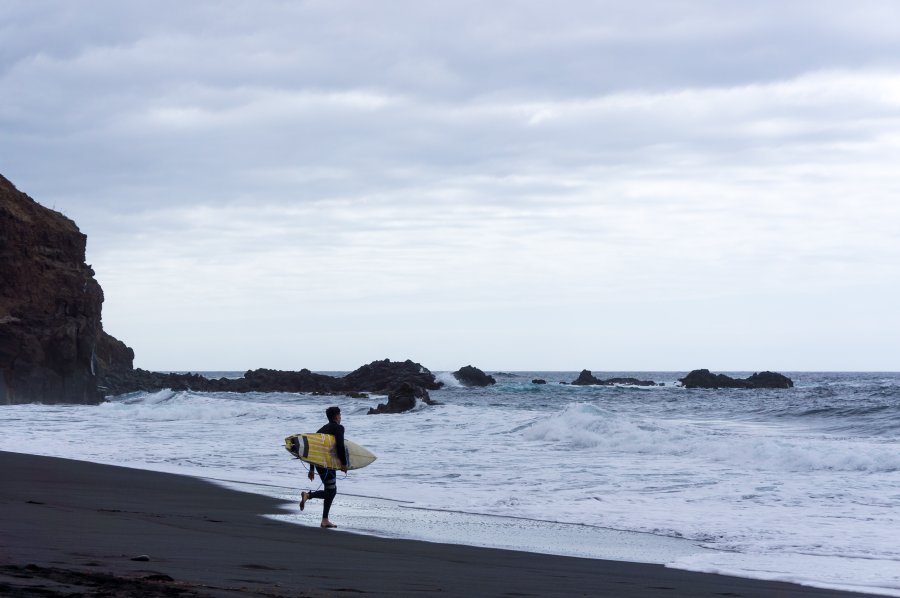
(387, 375)
(706, 379)
(586, 378)
(538, 381)
(472, 376)
(379, 377)
(261, 380)
(402, 398)
(52, 344)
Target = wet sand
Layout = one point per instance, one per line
(71, 526)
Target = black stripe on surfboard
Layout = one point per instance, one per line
(305, 447)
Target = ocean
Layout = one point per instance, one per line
(800, 485)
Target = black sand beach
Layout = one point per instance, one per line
(71, 527)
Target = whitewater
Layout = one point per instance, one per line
(800, 484)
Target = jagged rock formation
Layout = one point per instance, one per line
(402, 398)
(387, 375)
(52, 344)
(472, 376)
(706, 379)
(586, 378)
(379, 377)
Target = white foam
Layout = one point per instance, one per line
(875, 576)
(448, 379)
(391, 519)
(740, 444)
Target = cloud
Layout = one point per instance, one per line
(446, 167)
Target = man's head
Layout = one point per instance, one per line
(333, 414)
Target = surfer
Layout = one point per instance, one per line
(328, 476)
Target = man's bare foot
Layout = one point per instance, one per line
(304, 496)
(326, 523)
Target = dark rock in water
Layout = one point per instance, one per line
(378, 376)
(52, 344)
(632, 382)
(472, 376)
(114, 383)
(402, 398)
(769, 380)
(266, 380)
(261, 380)
(538, 381)
(386, 375)
(706, 379)
(586, 378)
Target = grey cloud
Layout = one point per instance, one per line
(534, 141)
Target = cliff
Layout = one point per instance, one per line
(52, 344)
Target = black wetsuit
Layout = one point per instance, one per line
(329, 476)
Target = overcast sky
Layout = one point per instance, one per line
(647, 185)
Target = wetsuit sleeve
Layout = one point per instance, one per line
(339, 444)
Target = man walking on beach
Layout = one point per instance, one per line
(328, 476)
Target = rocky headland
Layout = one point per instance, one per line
(52, 345)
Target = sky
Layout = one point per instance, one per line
(617, 186)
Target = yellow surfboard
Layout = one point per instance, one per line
(318, 449)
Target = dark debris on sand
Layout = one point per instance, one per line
(32, 581)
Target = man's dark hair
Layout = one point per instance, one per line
(332, 412)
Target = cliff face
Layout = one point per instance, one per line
(52, 344)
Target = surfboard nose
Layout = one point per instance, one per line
(292, 446)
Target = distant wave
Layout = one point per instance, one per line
(584, 426)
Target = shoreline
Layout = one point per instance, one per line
(393, 519)
(75, 526)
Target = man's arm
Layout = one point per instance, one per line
(339, 446)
